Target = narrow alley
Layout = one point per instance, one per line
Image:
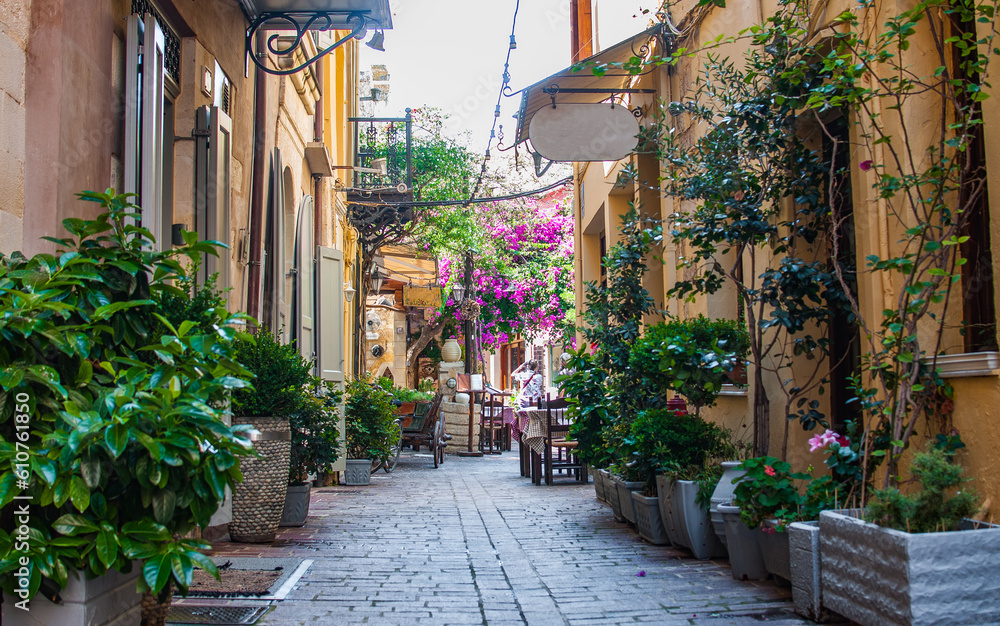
(474, 543)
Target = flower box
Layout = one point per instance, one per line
(647, 519)
(875, 575)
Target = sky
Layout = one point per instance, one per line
(450, 54)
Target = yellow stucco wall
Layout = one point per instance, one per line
(976, 398)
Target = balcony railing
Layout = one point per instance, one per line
(384, 153)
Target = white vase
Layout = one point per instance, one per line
(451, 352)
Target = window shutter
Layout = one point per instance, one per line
(145, 54)
(330, 315)
(283, 261)
(330, 331)
(305, 280)
(214, 191)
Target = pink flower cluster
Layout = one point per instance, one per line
(820, 441)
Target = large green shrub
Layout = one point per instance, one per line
(585, 390)
(279, 376)
(939, 505)
(692, 357)
(370, 415)
(671, 442)
(112, 430)
(315, 434)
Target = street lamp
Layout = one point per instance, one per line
(377, 280)
(458, 292)
(349, 292)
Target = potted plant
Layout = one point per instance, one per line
(112, 418)
(934, 564)
(279, 374)
(369, 417)
(315, 447)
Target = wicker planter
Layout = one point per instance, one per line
(108, 600)
(743, 544)
(260, 498)
(647, 519)
(875, 575)
(358, 472)
(296, 508)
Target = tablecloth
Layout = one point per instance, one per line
(532, 426)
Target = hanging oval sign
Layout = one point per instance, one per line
(584, 132)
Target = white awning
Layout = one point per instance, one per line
(586, 87)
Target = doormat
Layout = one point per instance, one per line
(243, 578)
(216, 615)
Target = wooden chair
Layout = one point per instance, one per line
(560, 453)
(491, 425)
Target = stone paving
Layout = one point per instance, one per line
(474, 543)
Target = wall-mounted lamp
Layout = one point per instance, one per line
(458, 291)
(349, 292)
(377, 279)
(452, 383)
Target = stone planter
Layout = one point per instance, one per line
(260, 498)
(724, 493)
(875, 575)
(804, 566)
(774, 550)
(625, 489)
(358, 472)
(743, 544)
(647, 519)
(611, 493)
(108, 600)
(296, 507)
(695, 530)
(664, 493)
(598, 484)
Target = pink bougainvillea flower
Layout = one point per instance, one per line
(770, 471)
(641, 573)
(865, 165)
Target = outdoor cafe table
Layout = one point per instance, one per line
(532, 426)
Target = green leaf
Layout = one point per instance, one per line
(79, 494)
(164, 503)
(72, 524)
(107, 547)
(116, 439)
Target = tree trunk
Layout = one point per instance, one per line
(761, 414)
(412, 361)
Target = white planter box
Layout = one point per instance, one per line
(875, 575)
(109, 600)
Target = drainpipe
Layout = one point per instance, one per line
(318, 199)
(257, 185)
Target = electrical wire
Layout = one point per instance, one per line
(513, 196)
(496, 113)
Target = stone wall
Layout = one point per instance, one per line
(15, 17)
(456, 415)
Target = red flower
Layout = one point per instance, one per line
(770, 471)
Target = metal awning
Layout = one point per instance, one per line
(275, 18)
(375, 12)
(584, 86)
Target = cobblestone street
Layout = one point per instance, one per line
(474, 543)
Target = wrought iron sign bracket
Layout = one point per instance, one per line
(300, 23)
